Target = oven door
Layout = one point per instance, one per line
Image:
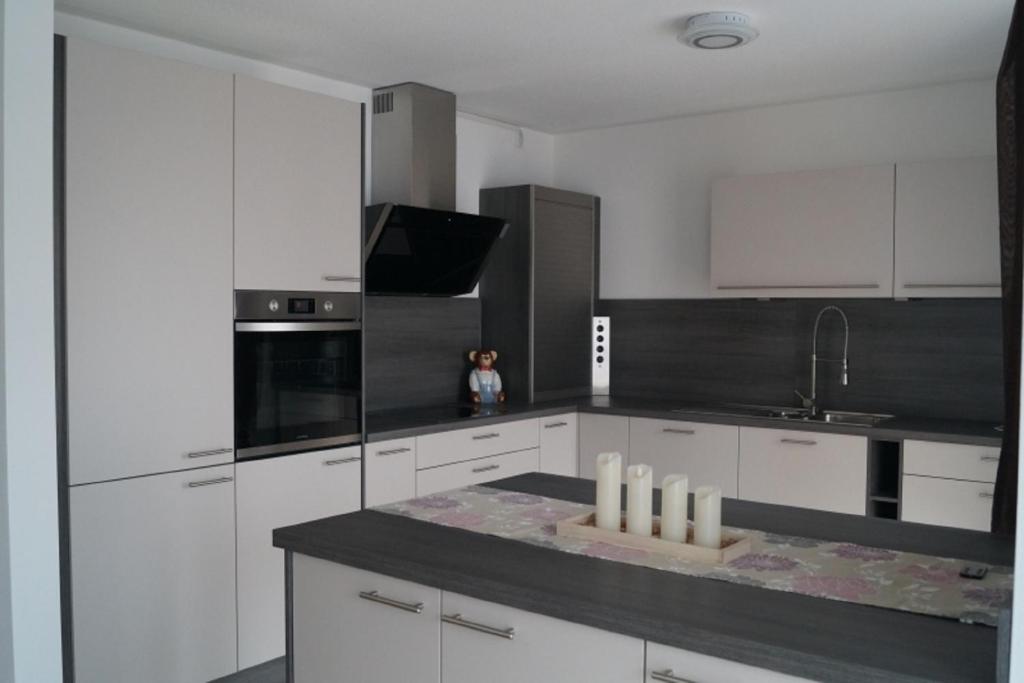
(297, 386)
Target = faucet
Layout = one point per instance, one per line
(811, 403)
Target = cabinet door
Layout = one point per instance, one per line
(707, 454)
(354, 625)
(602, 434)
(947, 228)
(473, 472)
(804, 469)
(947, 502)
(390, 471)
(671, 665)
(149, 297)
(558, 445)
(153, 577)
(298, 189)
(806, 234)
(466, 444)
(951, 460)
(273, 493)
(476, 646)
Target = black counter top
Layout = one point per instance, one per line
(796, 634)
(394, 424)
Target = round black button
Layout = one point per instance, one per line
(600, 328)
(600, 338)
(600, 349)
(600, 359)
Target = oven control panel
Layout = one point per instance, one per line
(260, 305)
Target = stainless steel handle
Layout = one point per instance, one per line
(668, 676)
(206, 454)
(457, 620)
(393, 451)
(823, 286)
(985, 494)
(950, 285)
(800, 442)
(341, 461)
(374, 596)
(209, 482)
(488, 468)
(673, 430)
(552, 425)
(341, 278)
(306, 326)
(481, 437)
(990, 458)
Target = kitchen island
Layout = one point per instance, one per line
(376, 596)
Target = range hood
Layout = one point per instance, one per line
(416, 243)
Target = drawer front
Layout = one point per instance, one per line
(558, 445)
(390, 471)
(601, 434)
(477, 471)
(947, 502)
(951, 460)
(443, 448)
(708, 454)
(671, 665)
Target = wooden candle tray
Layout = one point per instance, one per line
(584, 526)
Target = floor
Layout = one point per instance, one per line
(268, 672)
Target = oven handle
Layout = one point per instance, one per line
(296, 326)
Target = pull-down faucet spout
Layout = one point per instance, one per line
(811, 402)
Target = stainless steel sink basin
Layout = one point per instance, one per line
(795, 414)
(846, 417)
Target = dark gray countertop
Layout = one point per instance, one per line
(796, 634)
(394, 424)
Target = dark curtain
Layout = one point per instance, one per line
(1010, 126)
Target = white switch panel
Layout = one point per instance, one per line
(601, 346)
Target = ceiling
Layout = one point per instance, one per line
(566, 65)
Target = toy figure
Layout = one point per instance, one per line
(484, 380)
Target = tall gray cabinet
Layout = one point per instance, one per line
(537, 292)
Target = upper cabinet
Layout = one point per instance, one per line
(805, 234)
(947, 228)
(298, 189)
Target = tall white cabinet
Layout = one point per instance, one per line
(298, 189)
(149, 296)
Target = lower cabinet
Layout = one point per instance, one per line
(804, 469)
(671, 665)
(479, 471)
(390, 471)
(153, 577)
(273, 493)
(708, 454)
(600, 434)
(353, 625)
(482, 641)
(947, 502)
(559, 452)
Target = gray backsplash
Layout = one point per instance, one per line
(931, 358)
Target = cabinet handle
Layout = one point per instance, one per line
(990, 458)
(393, 451)
(341, 461)
(800, 442)
(206, 454)
(457, 620)
(209, 482)
(374, 596)
(948, 285)
(481, 437)
(556, 424)
(341, 278)
(668, 676)
(674, 430)
(488, 468)
(985, 494)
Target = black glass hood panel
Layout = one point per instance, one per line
(425, 252)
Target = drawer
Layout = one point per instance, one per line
(390, 471)
(558, 450)
(671, 665)
(951, 460)
(947, 502)
(443, 448)
(478, 471)
(707, 453)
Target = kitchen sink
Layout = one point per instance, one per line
(795, 414)
(846, 417)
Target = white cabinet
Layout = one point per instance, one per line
(153, 577)
(948, 484)
(298, 189)
(353, 625)
(602, 434)
(947, 228)
(273, 493)
(671, 665)
(951, 460)
(390, 471)
(465, 444)
(558, 445)
(804, 469)
(478, 471)
(476, 646)
(149, 293)
(708, 454)
(824, 233)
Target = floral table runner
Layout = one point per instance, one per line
(825, 569)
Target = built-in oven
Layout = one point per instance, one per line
(298, 372)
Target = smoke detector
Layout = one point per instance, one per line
(718, 31)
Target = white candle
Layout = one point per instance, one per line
(707, 517)
(609, 491)
(674, 491)
(639, 482)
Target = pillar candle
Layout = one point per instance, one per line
(609, 491)
(639, 481)
(707, 517)
(674, 491)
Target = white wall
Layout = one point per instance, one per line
(30, 636)
(654, 179)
